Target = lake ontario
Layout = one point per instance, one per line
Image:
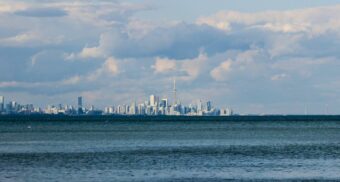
(169, 151)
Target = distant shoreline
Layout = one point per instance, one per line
(112, 118)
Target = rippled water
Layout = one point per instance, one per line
(169, 151)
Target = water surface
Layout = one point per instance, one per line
(169, 151)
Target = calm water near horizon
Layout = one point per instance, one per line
(169, 151)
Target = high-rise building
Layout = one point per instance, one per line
(92, 108)
(141, 109)
(2, 103)
(80, 105)
(127, 109)
(14, 106)
(153, 100)
(109, 110)
(120, 109)
(226, 112)
(133, 108)
(209, 106)
(164, 103)
(199, 105)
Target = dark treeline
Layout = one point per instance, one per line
(112, 118)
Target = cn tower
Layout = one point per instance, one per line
(175, 92)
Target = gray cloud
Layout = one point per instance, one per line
(178, 41)
(42, 12)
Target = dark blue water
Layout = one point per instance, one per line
(169, 151)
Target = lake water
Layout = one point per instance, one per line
(169, 151)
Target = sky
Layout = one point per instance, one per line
(258, 57)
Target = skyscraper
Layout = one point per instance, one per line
(80, 105)
(153, 100)
(209, 106)
(2, 103)
(199, 105)
(164, 103)
(133, 108)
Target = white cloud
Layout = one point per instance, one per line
(186, 69)
(285, 45)
(285, 27)
(241, 65)
(219, 73)
(91, 52)
(193, 67)
(278, 77)
(163, 65)
(108, 69)
(249, 56)
(22, 38)
(105, 45)
(314, 21)
(72, 81)
(7, 7)
(30, 39)
(111, 66)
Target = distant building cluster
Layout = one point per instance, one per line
(13, 107)
(154, 106)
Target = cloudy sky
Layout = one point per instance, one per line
(261, 57)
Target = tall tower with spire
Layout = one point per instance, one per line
(175, 92)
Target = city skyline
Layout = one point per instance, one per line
(260, 57)
(153, 106)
